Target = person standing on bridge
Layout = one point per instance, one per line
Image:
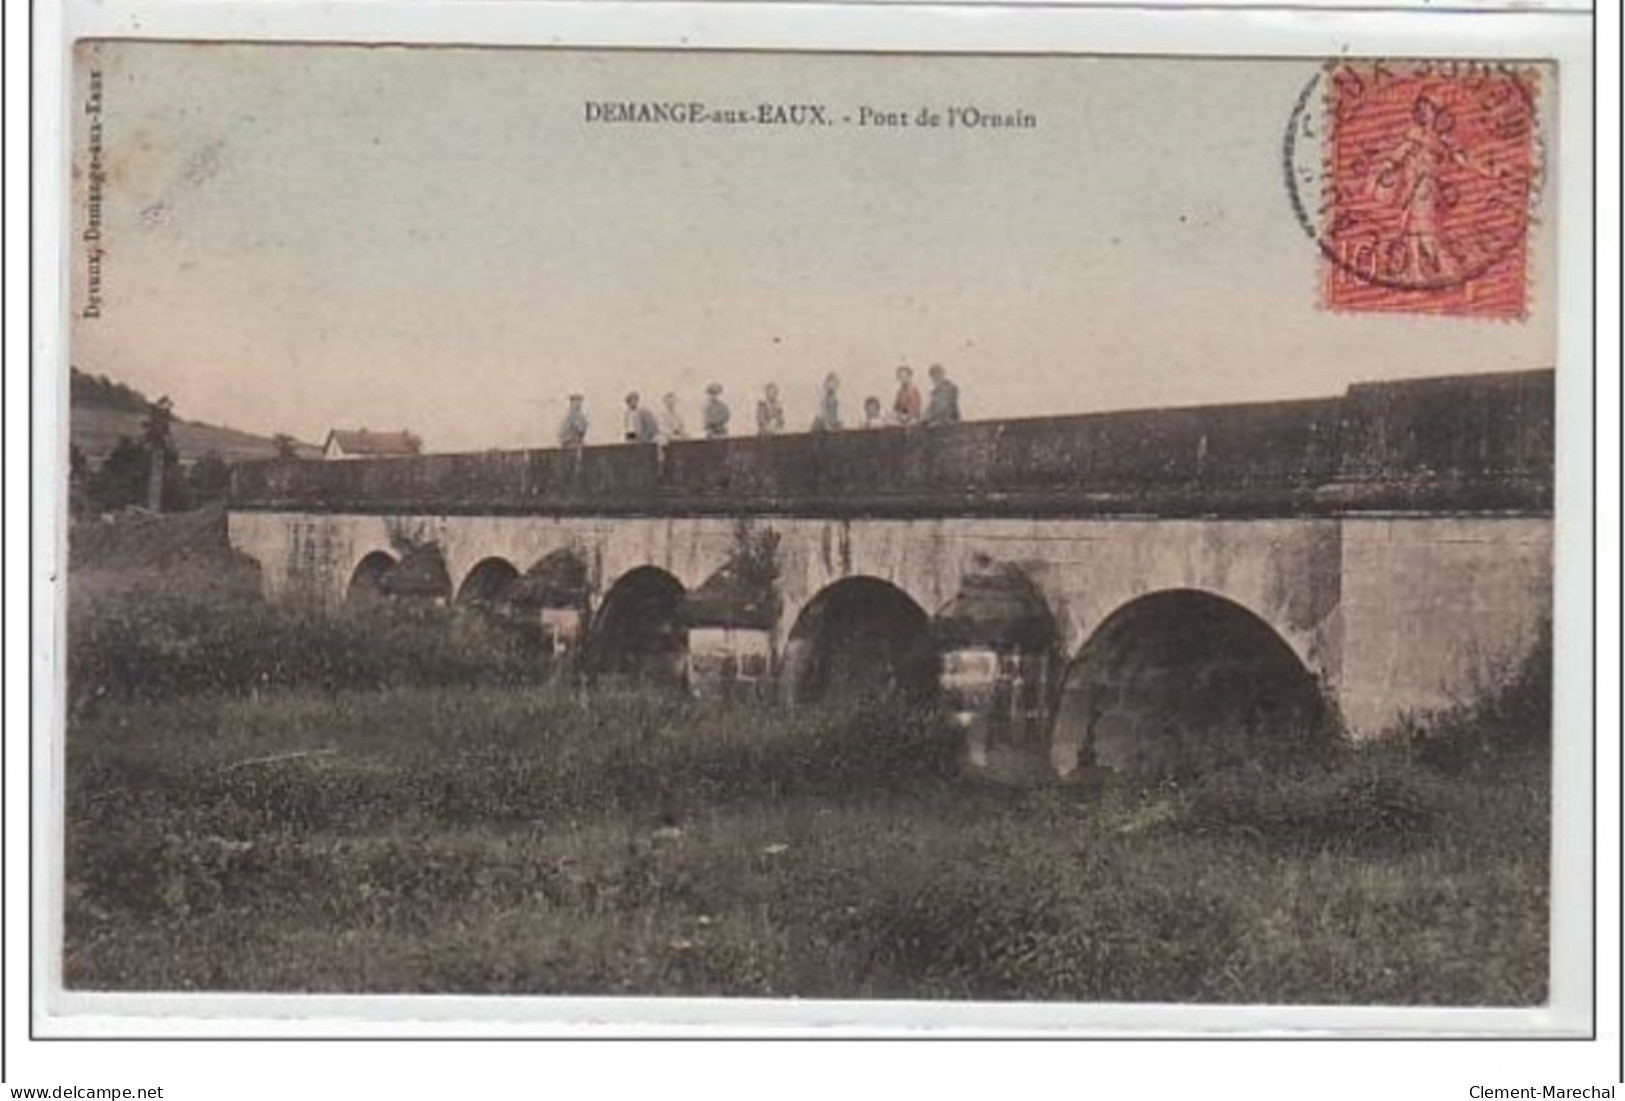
(829, 405)
(671, 421)
(944, 405)
(638, 424)
(769, 413)
(873, 415)
(905, 407)
(573, 428)
(716, 414)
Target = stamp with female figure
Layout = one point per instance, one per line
(1427, 173)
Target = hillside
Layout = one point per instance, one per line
(101, 411)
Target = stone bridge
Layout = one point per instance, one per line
(1096, 589)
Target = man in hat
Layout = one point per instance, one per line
(769, 412)
(943, 408)
(672, 426)
(638, 424)
(716, 412)
(573, 428)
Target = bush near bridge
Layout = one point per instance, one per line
(164, 645)
(159, 607)
(473, 836)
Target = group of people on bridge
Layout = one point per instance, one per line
(641, 424)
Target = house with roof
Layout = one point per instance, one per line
(343, 443)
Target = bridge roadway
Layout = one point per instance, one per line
(1081, 589)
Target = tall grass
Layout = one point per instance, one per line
(189, 631)
(493, 840)
(472, 757)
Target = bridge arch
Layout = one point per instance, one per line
(1184, 680)
(859, 635)
(1000, 656)
(490, 581)
(367, 576)
(638, 630)
(420, 575)
(558, 579)
(555, 590)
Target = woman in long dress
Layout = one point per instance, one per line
(829, 405)
(1412, 178)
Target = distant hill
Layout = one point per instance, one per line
(102, 410)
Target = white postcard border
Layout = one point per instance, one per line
(820, 27)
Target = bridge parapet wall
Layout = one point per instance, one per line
(1478, 428)
(1461, 444)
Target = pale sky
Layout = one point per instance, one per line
(306, 237)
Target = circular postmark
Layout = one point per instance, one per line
(1415, 176)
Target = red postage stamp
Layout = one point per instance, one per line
(1428, 176)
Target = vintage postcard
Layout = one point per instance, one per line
(1040, 536)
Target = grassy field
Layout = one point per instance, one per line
(345, 826)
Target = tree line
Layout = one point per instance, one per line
(145, 471)
(124, 479)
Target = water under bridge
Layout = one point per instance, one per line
(1090, 588)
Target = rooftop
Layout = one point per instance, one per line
(359, 441)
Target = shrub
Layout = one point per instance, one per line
(1508, 722)
(1376, 803)
(185, 636)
